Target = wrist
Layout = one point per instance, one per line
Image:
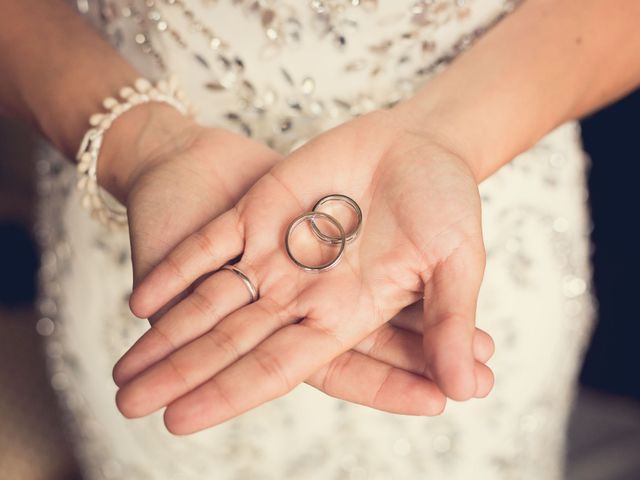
(499, 97)
(464, 129)
(136, 141)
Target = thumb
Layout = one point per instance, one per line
(451, 296)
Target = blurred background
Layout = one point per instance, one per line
(604, 436)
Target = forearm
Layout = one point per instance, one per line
(56, 70)
(548, 62)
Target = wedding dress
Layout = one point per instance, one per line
(282, 72)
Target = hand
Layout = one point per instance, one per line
(174, 176)
(421, 237)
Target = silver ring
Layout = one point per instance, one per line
(253, 291)
(312, 216)
(339, 198)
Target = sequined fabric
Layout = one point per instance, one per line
(282, 72)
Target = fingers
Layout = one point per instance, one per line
(483, 346)
(187, 368)
(283, 361)
(208, 249)
(270, 370)
(484, 380)
(357, 378)
(404, 349)
(449, 317)
(212, 300)
(411, 318)
(395, 346)
(274, 368)
(289, 357)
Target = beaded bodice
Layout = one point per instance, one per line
(283, 70)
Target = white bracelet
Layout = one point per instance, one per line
(103, 206)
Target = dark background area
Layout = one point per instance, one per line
(604, 435)
(612, 139)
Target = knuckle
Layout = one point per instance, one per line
(335, 370)
(376, 397)
(382, 340)
(203, 244)
(274, 370)
(179, 373)
(273, 310)
(223, 341)
(175, 267)
(201, 302)
(317, 326)
(215, 385)
(164, 337)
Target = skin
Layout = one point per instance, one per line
(391, 367)
(174, 176)
(421, 237)
(414, 171)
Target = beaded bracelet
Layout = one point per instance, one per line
(102, 206)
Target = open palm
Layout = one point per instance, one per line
(420, 237)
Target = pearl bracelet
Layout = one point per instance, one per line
(102, 206)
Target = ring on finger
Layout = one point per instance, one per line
(253, 290)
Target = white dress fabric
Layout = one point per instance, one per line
(282, 72)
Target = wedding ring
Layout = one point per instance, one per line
(311, 216)
(253, 291)
(330, 238)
